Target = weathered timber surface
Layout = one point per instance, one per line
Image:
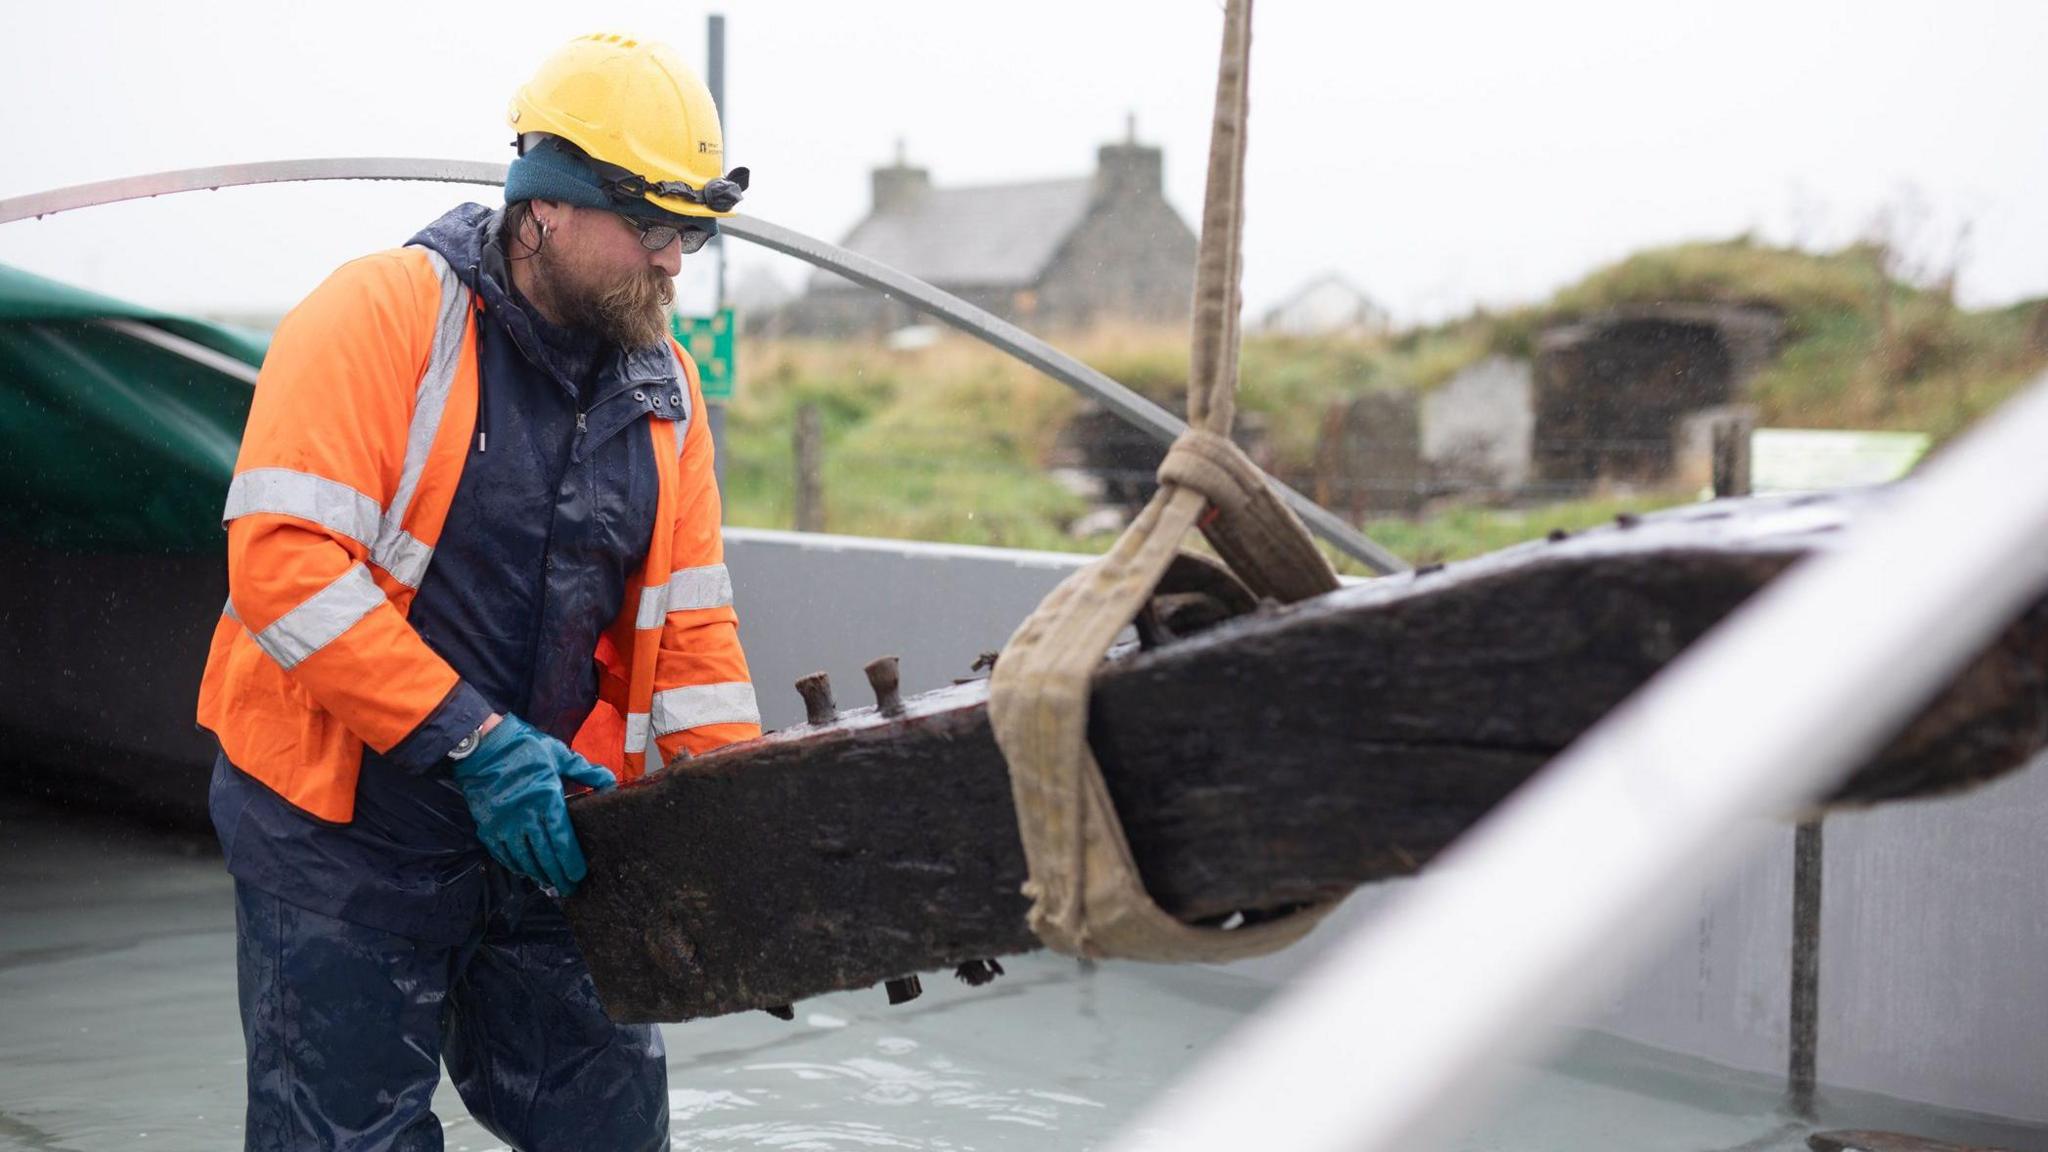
(1280, 757)
(1859, 1141)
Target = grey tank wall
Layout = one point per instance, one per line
(1721, 988)
(1934, 949)
(1933, 928)
(816, 603)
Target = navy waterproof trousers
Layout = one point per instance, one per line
(347, 1027)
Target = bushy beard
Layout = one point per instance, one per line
(633, 312)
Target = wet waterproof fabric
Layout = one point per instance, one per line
(518, 599)
(540, 557)
(351, 473)
(118, 423)
(347, 1026)
(513, 782)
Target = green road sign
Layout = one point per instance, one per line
(708, 340)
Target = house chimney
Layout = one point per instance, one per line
(1128, 170)
(899, 185)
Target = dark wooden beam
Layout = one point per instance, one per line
(1282, 756)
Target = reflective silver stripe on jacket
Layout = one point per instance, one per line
(402, 555)
(321, 617)
(341, 509)
(687, 590)
(396, 550)
(281, 491)
(696, 705)
(636, 731)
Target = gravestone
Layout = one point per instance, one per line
(1478, 426)
(1369, 456)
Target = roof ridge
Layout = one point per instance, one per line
(983, 234)
(1044, 183)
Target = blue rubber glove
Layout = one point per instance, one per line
(513, 782)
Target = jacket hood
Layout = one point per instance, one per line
(467, 237)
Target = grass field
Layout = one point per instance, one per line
(950, 442)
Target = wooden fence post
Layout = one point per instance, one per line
(1731, 454)
(810, 489)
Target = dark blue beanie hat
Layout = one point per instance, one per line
(551, 169)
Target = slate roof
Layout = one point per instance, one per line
(1001, 235)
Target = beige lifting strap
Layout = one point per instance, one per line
(1087, 896)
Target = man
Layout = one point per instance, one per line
(474, 524)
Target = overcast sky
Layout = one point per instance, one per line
(1440, 155)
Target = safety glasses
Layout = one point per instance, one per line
(655, 237)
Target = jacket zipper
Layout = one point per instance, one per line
(547, 581)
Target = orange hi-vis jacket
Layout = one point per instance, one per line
(347, 469)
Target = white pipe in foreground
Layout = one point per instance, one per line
(1399, 1031)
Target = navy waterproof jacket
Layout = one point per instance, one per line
(530, 568)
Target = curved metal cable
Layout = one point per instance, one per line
(1155, 421)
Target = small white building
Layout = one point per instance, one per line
(1327, 305)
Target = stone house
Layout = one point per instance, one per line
(1045, 254)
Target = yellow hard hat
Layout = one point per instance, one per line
(642, 114)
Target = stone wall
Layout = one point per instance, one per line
(1611, 392)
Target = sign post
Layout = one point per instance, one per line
(714, 75)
